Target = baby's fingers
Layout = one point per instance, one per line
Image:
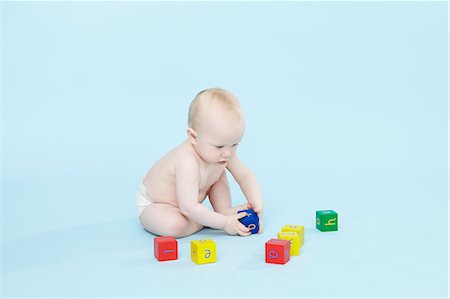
(241, 229)
(244, 206)
(244, 232)
(241, 215)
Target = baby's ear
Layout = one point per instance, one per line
(192, 135)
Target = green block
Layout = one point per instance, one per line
(326, 220)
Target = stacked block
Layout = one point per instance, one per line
(251, 221)
(165, 248)
(278, 251)
(326, 220)
(294, 241)
(203, 251)
(299, 229)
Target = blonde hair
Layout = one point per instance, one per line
(213, 97)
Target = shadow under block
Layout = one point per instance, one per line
(203, 251)
(294, 241)
(251, 221)
(299, 229)
(326, 220)
(165, 248)
(278, 251)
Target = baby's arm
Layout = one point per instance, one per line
(248, 184)
(187, 181)
(220, 197)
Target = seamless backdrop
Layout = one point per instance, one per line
(346, 109)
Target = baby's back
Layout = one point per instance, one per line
(160, 179)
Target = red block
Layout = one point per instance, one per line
(166, 248)
(278, 251)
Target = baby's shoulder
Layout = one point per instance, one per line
(184, 156)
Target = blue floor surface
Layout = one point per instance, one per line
(389, 248)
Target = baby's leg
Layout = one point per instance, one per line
(166, 220)
(220, 197)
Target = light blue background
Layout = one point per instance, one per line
(346, 109)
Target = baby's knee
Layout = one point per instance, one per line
(178, 228)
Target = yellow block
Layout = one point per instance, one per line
(299, 229)
(293, 238)
(203, 251)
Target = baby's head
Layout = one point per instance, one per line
(216, 125)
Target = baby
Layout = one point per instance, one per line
(170, 196)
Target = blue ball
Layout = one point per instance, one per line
(251, 220)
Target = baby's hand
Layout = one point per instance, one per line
(260, 224)
(234, 227)
(259, 211)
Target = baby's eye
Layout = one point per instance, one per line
(219, 146)
(236, 144)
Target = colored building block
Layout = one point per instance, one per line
(294, 241)
(299, 229)
(251, 221)
(203, 251)
(278, 251)
(165, 248)
(326, 220)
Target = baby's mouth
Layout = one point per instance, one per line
(222, 162)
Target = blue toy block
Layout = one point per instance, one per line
(251, 220)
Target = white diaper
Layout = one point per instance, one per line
(142, 199)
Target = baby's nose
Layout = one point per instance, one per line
(226, 154)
